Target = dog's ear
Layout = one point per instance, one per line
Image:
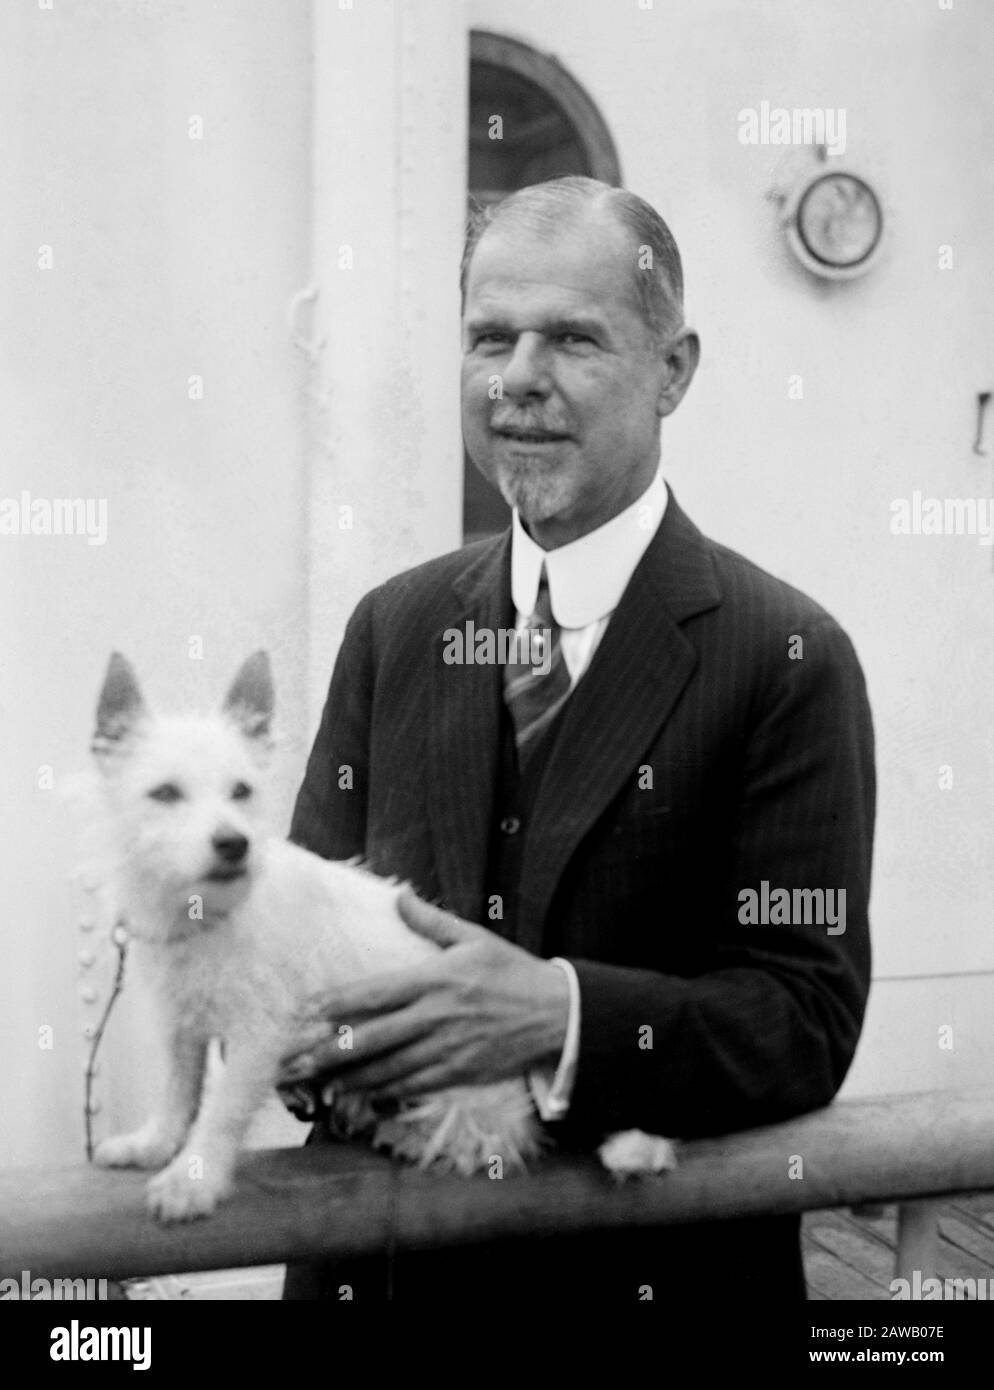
(249, 702)
(120, 707)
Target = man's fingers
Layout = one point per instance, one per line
(444, 928)
(395, 1075)
(347, 1047)
(311, 1035)
(381, 993)
(417, 1083)
(377, 1038)
(351, 1003)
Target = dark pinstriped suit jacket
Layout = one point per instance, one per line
(761, 768)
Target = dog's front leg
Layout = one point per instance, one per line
(200, 1175)
(163, 1132)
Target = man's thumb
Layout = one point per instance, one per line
(433, 922)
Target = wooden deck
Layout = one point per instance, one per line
(849, 1256)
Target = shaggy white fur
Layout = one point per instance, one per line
(242, 936)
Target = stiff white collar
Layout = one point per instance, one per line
(587, 576)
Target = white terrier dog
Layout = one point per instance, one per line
(241, 935)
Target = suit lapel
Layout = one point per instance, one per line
(464, 734)
(617, 709)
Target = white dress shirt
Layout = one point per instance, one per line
(587, 578)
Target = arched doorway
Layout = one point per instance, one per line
(547, 126)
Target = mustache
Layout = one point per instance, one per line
(528, 422)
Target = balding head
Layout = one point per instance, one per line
(648, 247)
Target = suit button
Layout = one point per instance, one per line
(510, 825)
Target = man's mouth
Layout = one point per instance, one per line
(530, 436)
(227, 874)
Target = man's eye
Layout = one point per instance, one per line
(572, 339)
(167, 792)
(241, 791)
(490, 340)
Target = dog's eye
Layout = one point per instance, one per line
(241, 791)
(167, 792)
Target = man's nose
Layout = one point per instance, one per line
(527, 371)
(230, 846)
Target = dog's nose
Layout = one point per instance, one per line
(230, 848)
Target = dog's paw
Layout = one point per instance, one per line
(173, 1195)
(142, 1149)
(631, 1152)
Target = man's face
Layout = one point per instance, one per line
(575, 436)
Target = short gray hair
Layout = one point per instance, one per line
(657, 279)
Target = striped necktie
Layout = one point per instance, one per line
(536, 684)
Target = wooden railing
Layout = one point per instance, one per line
(330, 1201)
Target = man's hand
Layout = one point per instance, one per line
(484, 1010)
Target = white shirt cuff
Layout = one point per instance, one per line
(552, 1091)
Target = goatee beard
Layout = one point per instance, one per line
(537, 497)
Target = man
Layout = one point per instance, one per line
(691, 730)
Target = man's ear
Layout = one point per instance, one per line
(120, 707)
(249, 702)
(681, 356)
